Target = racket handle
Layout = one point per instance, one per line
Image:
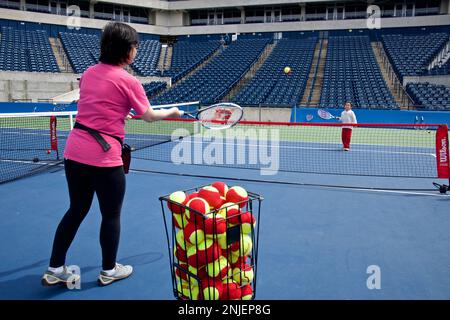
(181, 113)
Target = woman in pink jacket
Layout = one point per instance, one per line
(107, 94)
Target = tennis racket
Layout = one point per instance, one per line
(219, 116)
(323, 114)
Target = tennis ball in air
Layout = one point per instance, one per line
(247, 292)
(287, 70)
(211, 195)
(188, 291)
(193, 234)
(215, 225)
(242, 247)
(237, 195)
(203, 253)
(243, 275)
(221, 187)
(218, 268)
(198, 207)
(231, 290)
(212, 289)
(179, 197)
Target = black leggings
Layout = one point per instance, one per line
(83, 181)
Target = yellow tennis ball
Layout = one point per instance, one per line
(186, 290)
(243, 275)
(287, 69)
(243, 247)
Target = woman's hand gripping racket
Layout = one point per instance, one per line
(219, 116)
(323, 114)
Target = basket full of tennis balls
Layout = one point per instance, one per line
(213, 241)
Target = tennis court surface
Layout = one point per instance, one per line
(328, 216)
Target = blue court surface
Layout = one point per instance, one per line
(315, 242)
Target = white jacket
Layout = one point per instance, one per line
(348, 117)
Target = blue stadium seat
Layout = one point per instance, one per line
(270, 85)
(429, 96)
(23, 50)
(212, 82)
(411, 54)
(352, 74)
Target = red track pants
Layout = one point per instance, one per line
(346, 137)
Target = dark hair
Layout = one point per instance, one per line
(351, 104)
(117, 41)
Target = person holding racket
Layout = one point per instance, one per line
(347, 116)
(107, 94)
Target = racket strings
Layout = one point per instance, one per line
(220, 116)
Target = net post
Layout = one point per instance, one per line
(442, 152)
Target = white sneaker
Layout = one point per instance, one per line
(346, 149)
(51, 278)
(120, 272)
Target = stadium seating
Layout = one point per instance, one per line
(270, 85)
(146, 61)
(352, 74)
(430, 96)
(22, 50)
(82, 50)
(215, 79)
(154, 87)
(188, 55)
(443, 69)
(411, 54)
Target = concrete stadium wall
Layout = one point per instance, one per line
(267, 114)
(34, 86)
(375, 116)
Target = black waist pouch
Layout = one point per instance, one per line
(126, 149)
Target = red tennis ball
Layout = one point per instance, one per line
(230, 211)
(203, 253)
(179, 197)
(231, 290)
(221, 187)
(237, 195)
(247, 292)
(246, 220)
(212, 289)
(199, 208)
(218, 268)
(215, 225)
(180, 254)
(193, 195)
(193, 234)
(211, 195)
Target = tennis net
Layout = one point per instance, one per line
(385, 150)
(31, 143)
